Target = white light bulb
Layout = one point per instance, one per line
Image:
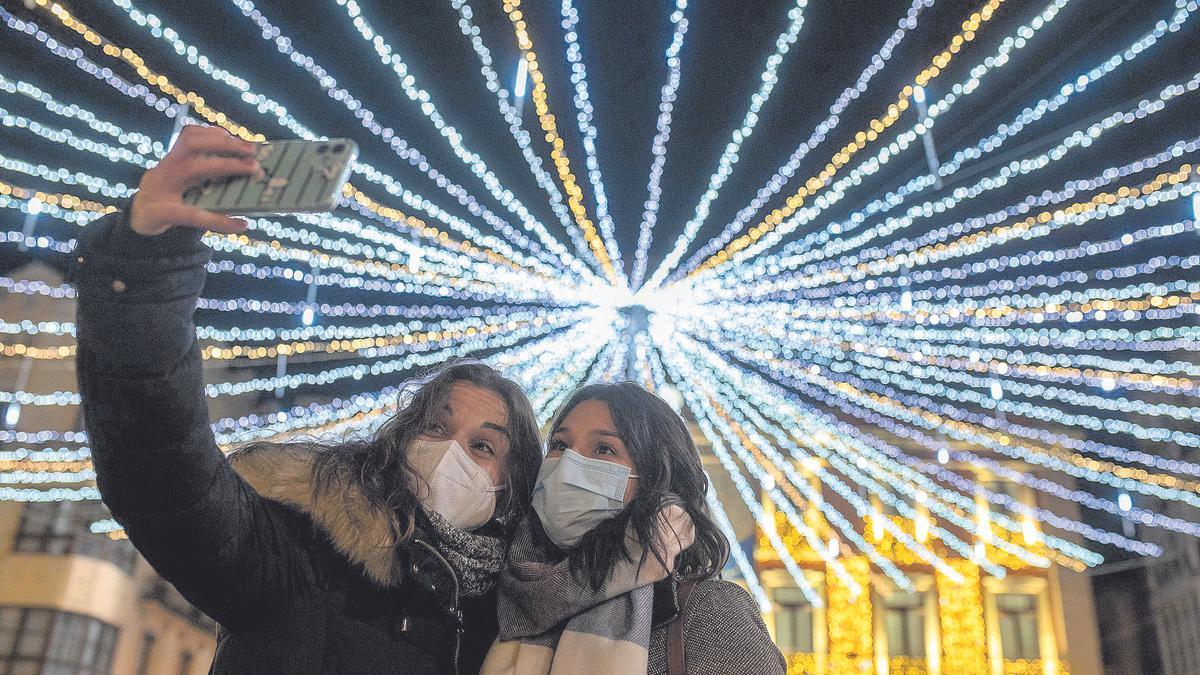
(12, 414)
(673, 398)
(522, 73)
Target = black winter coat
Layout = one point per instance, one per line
(299, 584)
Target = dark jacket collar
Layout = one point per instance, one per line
(357, 530)
(666, 602)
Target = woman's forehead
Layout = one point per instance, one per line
(587, 416)
(470, 402)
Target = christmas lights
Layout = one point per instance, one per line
(894, 389)
(609, 262)
(779, 180)
(729, 156)
(659, 149)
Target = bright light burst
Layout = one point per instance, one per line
(983, 319)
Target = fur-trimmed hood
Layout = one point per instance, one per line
(357, 530)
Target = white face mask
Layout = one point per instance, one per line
(451, 483)
(574, 494)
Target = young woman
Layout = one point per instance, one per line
(617, 571)
(368, 556)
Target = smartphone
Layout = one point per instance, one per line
(300, 177)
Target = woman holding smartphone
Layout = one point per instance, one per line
(616, 571)
(366, 556)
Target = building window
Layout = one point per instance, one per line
(63, 528)
(793, 621)
(904, 620)
(144, 657)
(1018, 625)
(890, 508)
(35, 641)
(1006, 488)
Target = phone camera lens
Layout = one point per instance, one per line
(322, 148)
(339, 147)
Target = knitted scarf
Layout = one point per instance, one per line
(476, 558)
(553, 623)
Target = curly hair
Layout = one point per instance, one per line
(378, 466)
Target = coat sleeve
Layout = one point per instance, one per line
(230, 552)
(725, 634)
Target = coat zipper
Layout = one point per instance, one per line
(456, 612)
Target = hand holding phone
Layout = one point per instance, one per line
(298, 177)
(200, 154)
(209, 175)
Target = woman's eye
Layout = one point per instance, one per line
(484, 448)
(437, 429)
(605, 450)
(556, 445)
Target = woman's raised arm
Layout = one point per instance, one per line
(139, 274)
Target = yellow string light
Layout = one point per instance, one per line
(354, 344)
(877, 126)
(72, 466)
(890, 547)
(1035, 667)
(907, 665)
(803, 663)
(851, 630)
(153, 78)
(430, 233)
(64, 201)
(960, 615)
(557, 149)
(29, 351)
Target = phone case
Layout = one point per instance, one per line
(301, 177)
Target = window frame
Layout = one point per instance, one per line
(61, 626)
(62, 528)
(1004, 613)
(797, 604)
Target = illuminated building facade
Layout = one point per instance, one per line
(1034, 621)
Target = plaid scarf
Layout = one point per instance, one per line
(552, 622)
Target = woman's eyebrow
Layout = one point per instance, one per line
(497, 427)
(606, 432)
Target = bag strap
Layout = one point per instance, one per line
(676, 651)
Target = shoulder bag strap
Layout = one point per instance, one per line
(676, 651)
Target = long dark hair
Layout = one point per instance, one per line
(668, 463)
(378, 467)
